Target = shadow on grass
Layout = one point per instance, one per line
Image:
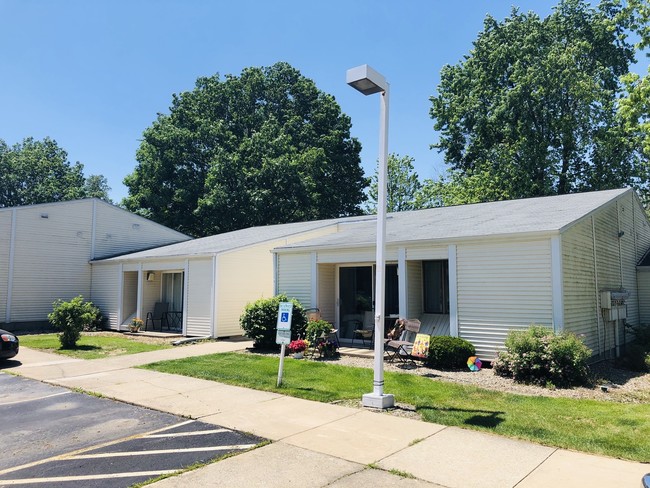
(85, 347)
(478, 418)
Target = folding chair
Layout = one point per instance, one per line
(367, 330)
(159, 314)
(401, 349)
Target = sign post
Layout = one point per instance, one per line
(283, 333)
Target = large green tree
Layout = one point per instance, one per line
(39, 172)
(532, 109)
(261, 148)
(402, 186)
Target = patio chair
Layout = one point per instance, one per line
(159, 314)
(401, 348)
(367, 330)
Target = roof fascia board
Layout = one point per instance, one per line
(597, 209)
(444, 241)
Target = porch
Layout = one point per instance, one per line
(414, 289)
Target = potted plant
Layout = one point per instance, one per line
(135, 325)
(298, 347)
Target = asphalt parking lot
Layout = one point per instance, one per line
(53, 436)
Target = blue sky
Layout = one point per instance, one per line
(94, 74)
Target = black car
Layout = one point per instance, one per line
(8, 344)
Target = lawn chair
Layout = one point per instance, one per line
(159, 314)
(367, 330)
(401, 348)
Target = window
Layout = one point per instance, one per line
(435, 283)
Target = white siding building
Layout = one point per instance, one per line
(206, 283)
(45, 252)
(479, 271)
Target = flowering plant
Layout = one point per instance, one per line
(135, 325)
(299, 345)
(327, 348)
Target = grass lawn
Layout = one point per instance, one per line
(608, 428)
(90, 346)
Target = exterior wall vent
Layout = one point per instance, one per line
(45, 216)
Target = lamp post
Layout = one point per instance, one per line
(368, 81)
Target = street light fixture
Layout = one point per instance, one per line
(368, 81)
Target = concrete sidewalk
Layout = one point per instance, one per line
(317, 444)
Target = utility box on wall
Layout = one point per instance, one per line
(613, 304)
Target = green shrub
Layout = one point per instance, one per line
(260, 318)
(636, 357)
(317, 334)
(540, 356)
(72, 317)
(317, 329)
(449, 352)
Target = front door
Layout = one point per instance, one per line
(355, 298)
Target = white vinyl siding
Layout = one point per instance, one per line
(327, 291)
(502, 286)
(427, 253)
(118, 232)
(150, 295)
(244, 276)
(628, 256)
(364, 255)
(5, 242)
(579, 283)
(414, 289)
(294, 277)
(51, 258)
(129, 295)
(644, 291)
(199, 298)
(105, 292)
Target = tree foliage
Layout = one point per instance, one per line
(261, 148)
(402, 186)
(39, 172)
(532, 110)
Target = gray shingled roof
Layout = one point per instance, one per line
(225, 242)
(544, 214)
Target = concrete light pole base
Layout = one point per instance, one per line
(373, 400)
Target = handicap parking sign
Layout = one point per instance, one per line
(284, 316)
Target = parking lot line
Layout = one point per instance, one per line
(183, 434)
(87, 477)
(61, 457)
(35, 399)
(160, 451)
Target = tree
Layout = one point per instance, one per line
(39, 172)
(261, 148)
(96, 186)
(532, 109)
(402, 185)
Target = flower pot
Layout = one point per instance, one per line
(298, 355)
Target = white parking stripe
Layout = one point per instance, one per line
(183, 434)
(60, 479)
(161, 451)
(34, 399)
(92, 448)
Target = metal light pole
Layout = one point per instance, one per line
(368, 81)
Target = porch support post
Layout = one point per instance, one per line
(213, 298)
(186, 282)
(453, 291)
(402, 282)
(140, 291)
(314, 280)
